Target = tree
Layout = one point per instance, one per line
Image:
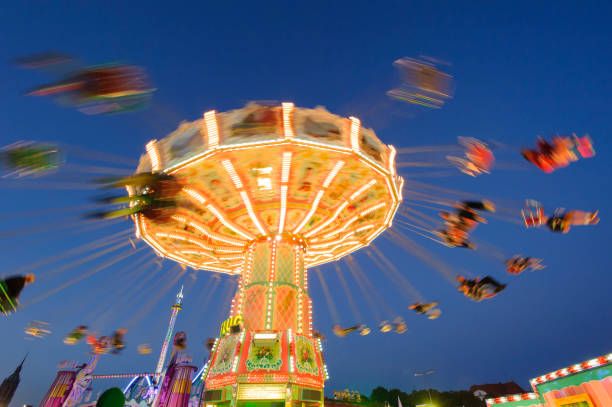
(379, 394)
(112, 397)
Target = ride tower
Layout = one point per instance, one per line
(146, 386)
(164, 350)
(267, 192)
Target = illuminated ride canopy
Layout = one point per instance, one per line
(268, 192)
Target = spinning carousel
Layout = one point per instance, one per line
(266, 193)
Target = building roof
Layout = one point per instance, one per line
(498, 389)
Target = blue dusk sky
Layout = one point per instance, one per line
(521, 69)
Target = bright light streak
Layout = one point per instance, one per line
(286, 167)
(311, 212)
(328, 180)
(153, 153)
(283, 210)
(362, 190)
(212, 128)
(328, 221)
(355, 125)
(247, 203)
(332, 174)
(392, 153)
(264, 336)
(194, 195)
(209, 234)
(228, 224)
(130, 384)
(199, 253)
(287, 125)
(227, 164)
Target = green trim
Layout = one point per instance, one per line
(519, 403)
(263, 403)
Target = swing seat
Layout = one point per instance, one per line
(8, 305)
(533, 214)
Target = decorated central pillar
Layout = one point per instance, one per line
(273, 292)
(266, 353)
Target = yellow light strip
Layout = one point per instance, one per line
(199, 253)
(130, 192)
(343, 228)
(355, 124)
(389, 217)
(333, 242)
(361, 229)
(153, 153)
(137, 224)
(300, 291)
(362, 189)
(245, 272)
(184, 239)
(354, 218)
(202, 201)
(316, 262)
(340, 240)
(311, 212)
(271, 286)
(179, 218)
(340, 208)
(372, 208)
(208, 263)
(247, 203)
(392, 154)
(163, 253)
(391, 186)
(212, 128)
(287, 125)
(286, 167)
(319, 252)
(227, 164)
(231, 258)
(283, 210)
(313, 260)
(208, 233)
(328, 221)
(261, 391)
(158, 249)
(227, 223)
(220, 270)
(328, 180)
(332, 174)
(195, 195)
